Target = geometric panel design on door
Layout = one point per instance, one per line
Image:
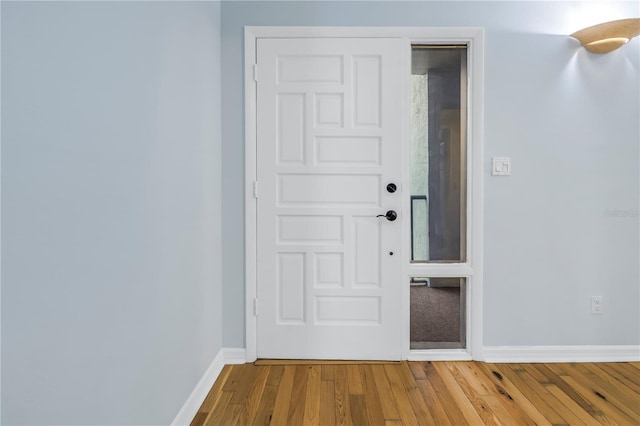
(326, 284)
(329, 110)
(366, 252)
(291, 110)
(291, 294)
(347, 310)
(325, 189)
(309, 229)
(310, 69)
(329, 268)
(366, 91)
(352, 151)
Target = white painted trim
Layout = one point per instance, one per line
(475, 141)
(190, 408)
(405, 207)
(474, 38)
(472, 269)
(0, 222)
(441, 35)
(527, 354)
(194, 402)
(250, 203)
(439, 355)
(235, 355)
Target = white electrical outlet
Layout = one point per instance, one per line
(596, 304)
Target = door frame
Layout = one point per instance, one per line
(472, 269)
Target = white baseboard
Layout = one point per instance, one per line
(500, 354)
(235, 355)
(190, 408)
(439, 355)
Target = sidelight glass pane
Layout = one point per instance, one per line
(438, 313)
(438, 141)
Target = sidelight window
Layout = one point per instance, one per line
(438, 169)
(438, 313)
(438, 194)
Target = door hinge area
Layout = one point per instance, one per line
(255, 307)
(255, 189)
(255, 72)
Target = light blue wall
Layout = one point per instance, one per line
(115, 175)
(111, 291)
(568, 119)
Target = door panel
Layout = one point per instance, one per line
(329, 271)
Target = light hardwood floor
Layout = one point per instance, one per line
(424, 393)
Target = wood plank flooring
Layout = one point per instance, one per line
(424, 393)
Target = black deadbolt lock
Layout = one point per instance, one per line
(391, 188)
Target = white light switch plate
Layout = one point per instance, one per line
(501, 166)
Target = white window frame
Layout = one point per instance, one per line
(472, 269)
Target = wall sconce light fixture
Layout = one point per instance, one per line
(606, 37)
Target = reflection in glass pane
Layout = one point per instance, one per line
(438, 190)
(419, 227)
(438, 313)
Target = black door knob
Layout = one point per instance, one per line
(390, 215)
(391, 188)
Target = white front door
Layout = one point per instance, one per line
(329, 271)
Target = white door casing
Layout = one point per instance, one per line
(472, 268)
(329, 270)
